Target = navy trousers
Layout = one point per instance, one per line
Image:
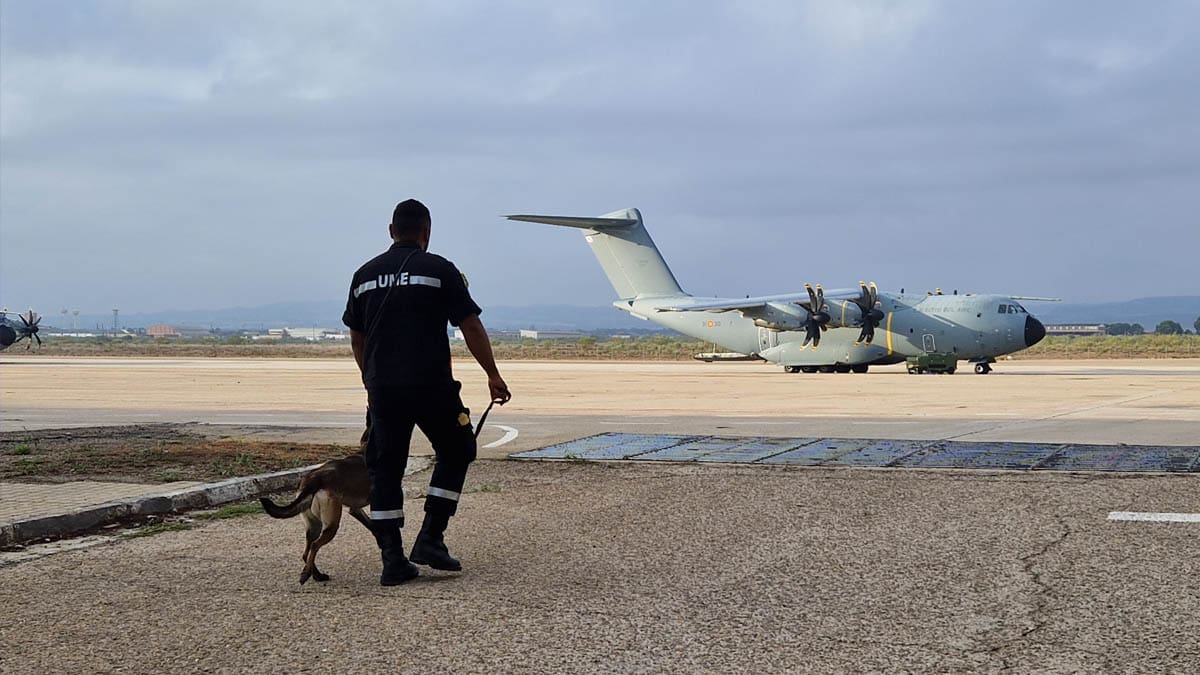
(439, 413)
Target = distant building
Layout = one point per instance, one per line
(311, 334)
(162, 330)
(550, 334)
(1075, 329)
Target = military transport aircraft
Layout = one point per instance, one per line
(790, 329)
(12, 334)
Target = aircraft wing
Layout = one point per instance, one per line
(745, 304)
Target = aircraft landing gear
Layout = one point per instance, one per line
(859, 368)
(983, 368)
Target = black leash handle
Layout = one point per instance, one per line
(483, 417)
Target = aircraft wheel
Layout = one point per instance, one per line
(982, 369)
(827, 369)
(808, 369)
(860, 368)
(842, 369)
(791, 369)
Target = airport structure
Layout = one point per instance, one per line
(534, 334)
(1076, 329)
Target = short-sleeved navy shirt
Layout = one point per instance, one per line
(403, 315)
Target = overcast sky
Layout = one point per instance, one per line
(185, 155)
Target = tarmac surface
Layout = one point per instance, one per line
(589, 567)
(1143, 402)
(593, 567)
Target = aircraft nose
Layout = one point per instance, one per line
(1034, 331)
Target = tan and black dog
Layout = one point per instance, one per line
(321, 495)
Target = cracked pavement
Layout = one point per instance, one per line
(588, 567)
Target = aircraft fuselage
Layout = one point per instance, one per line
(972, 327)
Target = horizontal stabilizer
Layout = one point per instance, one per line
(624, 250)
(583, 223)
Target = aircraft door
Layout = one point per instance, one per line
(928, 343)
(767, 338)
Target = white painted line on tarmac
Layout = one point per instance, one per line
(510, 434)
(1155, 517)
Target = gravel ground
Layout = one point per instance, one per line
(584, 567)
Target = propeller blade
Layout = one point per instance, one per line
(871, 310)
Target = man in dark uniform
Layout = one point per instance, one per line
(397, 312)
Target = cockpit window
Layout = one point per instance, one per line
(1019, 309)
(1003, 309)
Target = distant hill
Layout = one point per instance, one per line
(328, 314)
(1184, 309)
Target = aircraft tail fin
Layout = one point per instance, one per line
(624, 249)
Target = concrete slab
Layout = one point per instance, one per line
(978, 456)
(24, 500)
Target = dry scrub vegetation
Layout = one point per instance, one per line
(646, 348)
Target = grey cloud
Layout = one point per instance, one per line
(250, 152)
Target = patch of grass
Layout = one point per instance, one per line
(241, 464)
(1115, 346)
(159, 528)
(230, 511)
(27, 466)
(149, 454)
(488, 487)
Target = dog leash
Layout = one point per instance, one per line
(483, 417)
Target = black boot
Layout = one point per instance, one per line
(396, 568)
(430, 548)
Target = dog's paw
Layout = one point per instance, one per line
(320, 576)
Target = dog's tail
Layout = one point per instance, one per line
(292, 509)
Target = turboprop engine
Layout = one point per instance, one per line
(864, 312)
(780, 316)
